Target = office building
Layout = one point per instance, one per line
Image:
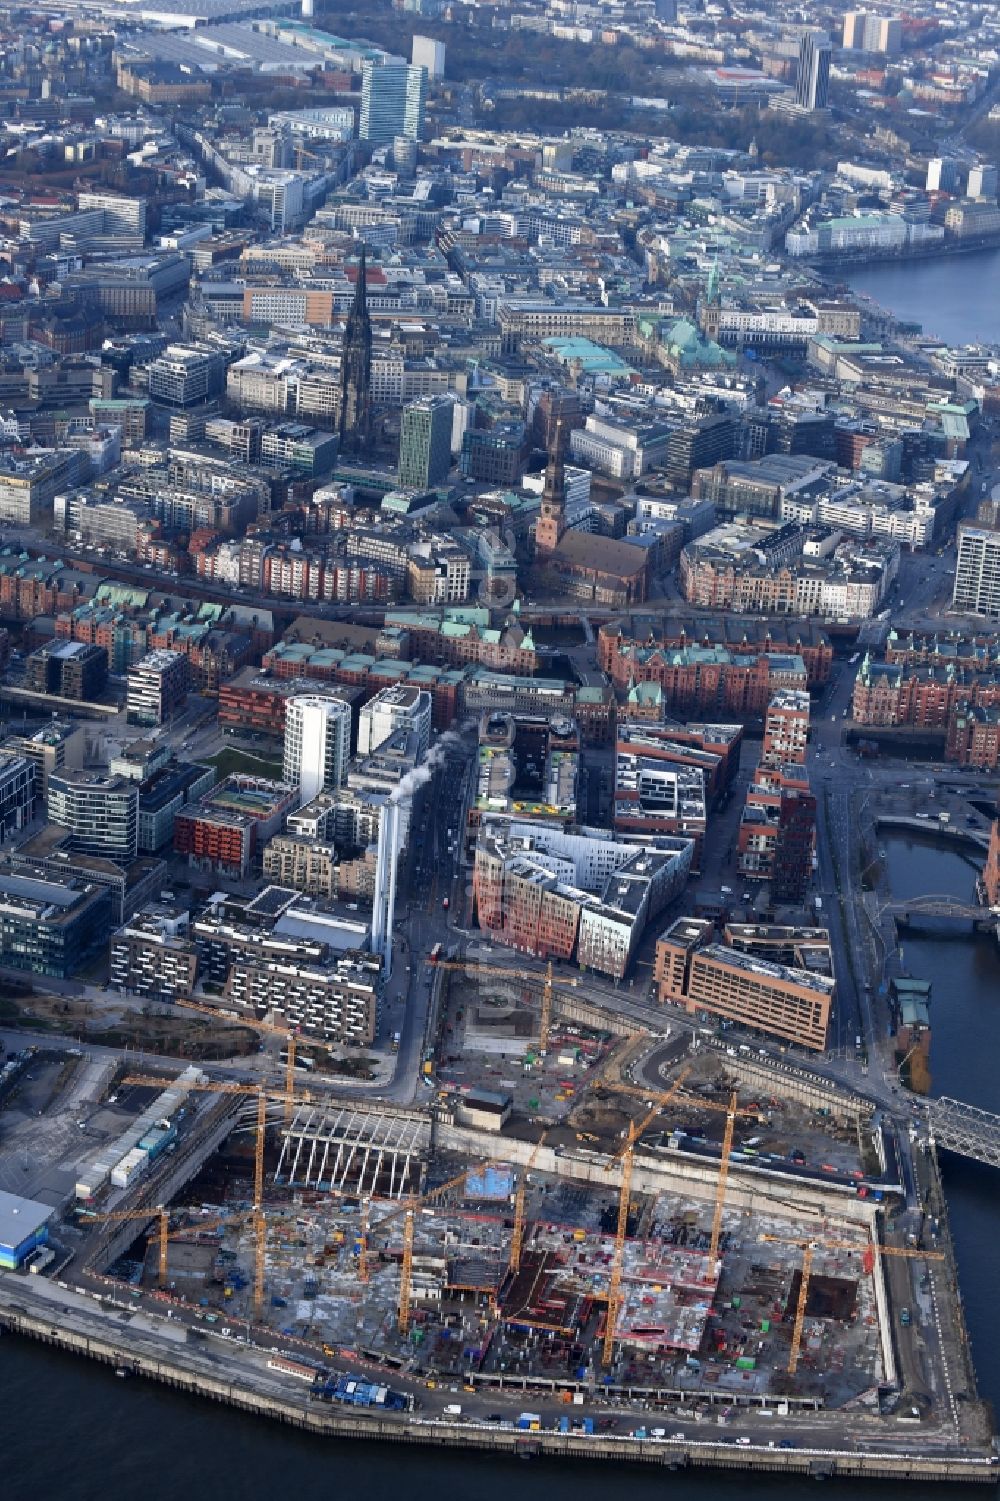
(982, 182)
(425, 442)
(553, 894)
(977, 571)
(868, 33)
(68, 669)
(123, 217)
(50, 925)
(18, 792)
(812, 86)
(46, 749)
(793, 846)
(495, 455)
(393, 96)
(428, 54)
(692, 971)
(100, 812)
(184, 375)
(317, 744)
(778, 824)
(161, 797)
(396, 708)
(156, 687)
(943, 174)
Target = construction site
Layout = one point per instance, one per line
(671, 1246)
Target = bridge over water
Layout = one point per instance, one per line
(964, 1129)
(941, 905)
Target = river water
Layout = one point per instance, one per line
(73, 1428)
(955, 298)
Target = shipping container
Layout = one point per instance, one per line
(129, 1168)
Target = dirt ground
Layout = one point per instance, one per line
(158, 1032)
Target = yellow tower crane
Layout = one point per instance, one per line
(627, 1156)
(548, 982)
(809, 1248)
(262, 1094)
(517, 1237)
(676, 1094)
(257, 1025)
(159, 1213)
(408, 1207)
(720, 1188)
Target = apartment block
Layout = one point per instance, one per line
(786, 729)
(151, 955)
(156, 688)
(977, 572)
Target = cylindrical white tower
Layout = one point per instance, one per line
(317, 743)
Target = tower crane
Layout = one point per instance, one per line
(517, 1237)
(158, 1212)
(262, 1095)
(257, 1025)
(809, 1248)
(627, 1156)
(720, 1188)
(548, 983)
(676, 1094)
(409, 1208)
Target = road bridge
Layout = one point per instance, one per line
(940, 905)
(964, 1129)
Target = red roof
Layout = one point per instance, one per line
(375, 276)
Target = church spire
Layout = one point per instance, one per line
(551, 523)
(356, 369)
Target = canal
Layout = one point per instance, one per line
(964, 970)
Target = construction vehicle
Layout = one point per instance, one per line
(809, 1248)
(548, 982)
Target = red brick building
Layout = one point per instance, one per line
(638, 648)
(894, 693)
(973, 737)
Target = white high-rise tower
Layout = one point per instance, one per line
(384, 900)
(317, 743)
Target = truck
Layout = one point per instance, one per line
(446, 904)
(453, 1410)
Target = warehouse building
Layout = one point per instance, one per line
(24, 1226)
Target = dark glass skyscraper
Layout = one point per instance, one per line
(356, 371)
(812, 86)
